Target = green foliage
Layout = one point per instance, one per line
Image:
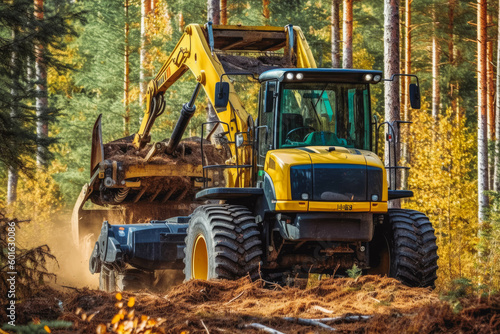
(461, 288)
(19, 33)
(354, 272)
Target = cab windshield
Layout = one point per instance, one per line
(324, 114)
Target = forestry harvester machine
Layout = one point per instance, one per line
(299, 190)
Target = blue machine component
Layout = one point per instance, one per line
(156, 245)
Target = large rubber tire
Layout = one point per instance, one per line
(222, 242)
(413, 249)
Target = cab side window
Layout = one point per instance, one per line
(266, 120)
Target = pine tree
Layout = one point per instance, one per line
(391, 67)
(19, 143)
(335, 34)
(347, 34)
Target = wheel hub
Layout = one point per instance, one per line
(199, 265)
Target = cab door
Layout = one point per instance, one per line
(265, 126)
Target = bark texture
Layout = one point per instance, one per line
(335, 32)
(12, 172)
(347, 34)
(391, 88)
(436, 93)
(482, 142)
(126, 76)
(145, 10)
(406, 83)
(497, 118)
(42, 103)
(265, 11)
(213, 11)
(223, 12)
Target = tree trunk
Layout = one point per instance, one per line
(265, 11)
(12, 186)
(42, 103)
(213, 10)
(436, 94)
(497, 116)
(490, 100)
(451, 50)
(482, 116)
(223, 12)
(336, 33)
(145, 9)
(12, 173)
(406, 95)
(126, 77)
(347, 34)
(391, 88)
(490, 106)
(181, 22)
(451, 24)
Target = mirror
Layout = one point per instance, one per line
(221, 97)
(415, 96)
(269, 96)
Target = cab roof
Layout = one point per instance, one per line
(320, 75)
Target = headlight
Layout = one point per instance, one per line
(377, 78)
(368, 77)
(289, 76)
(300, 76)
(239, 139)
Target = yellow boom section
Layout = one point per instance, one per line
(194, 52)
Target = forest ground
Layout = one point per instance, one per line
(387, 306)
(230, 307)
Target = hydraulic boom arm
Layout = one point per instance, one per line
(195, 51)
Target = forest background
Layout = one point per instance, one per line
(87, 44)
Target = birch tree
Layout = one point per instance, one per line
(391, 88)
(42, 102)
(335, 33)
(347, 34)
(12, 176)
(436, 94)
(482, 147)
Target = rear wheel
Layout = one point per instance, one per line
(406, 250)
(222, 242)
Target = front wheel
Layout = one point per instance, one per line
(405, 249)
(222, 242)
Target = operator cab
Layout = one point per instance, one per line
(315, 107)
